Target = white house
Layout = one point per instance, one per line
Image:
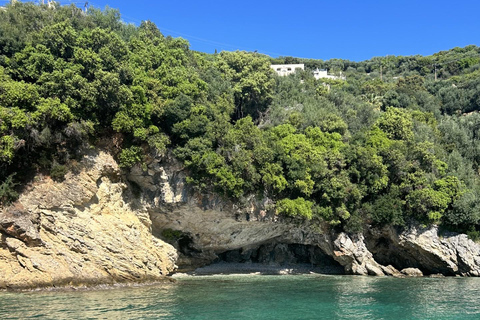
(322, 73)
(286, 69)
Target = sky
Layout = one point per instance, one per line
(318, 29)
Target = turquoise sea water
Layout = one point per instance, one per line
(259, 297)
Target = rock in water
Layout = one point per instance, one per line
(412, 272)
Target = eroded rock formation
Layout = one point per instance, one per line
(85, 230)
(98, 226)
(205, 226)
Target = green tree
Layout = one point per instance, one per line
(298, 207)
(252, 81)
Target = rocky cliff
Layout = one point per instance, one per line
(85, 230)
(99, 226)
(206, 228)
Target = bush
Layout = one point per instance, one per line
(387, 209)
(7, 190)
(293, 208)
(171, 235)
(473, 234)
(58, 172)
(130, 156)
(354, 224)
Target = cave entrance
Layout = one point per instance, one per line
(274, 258)
(385, 252)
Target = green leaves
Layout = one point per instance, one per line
(18, 95)
(7, 190)
(32, 62)
(252, 81)
(428, 203)
(298, 207)
(7, 151)
(273, 178)
(370, 150)
(397, 124)
(13, 118)
(51, 111)
(130, 156)
(60, 39)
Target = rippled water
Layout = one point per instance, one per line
(259, 297)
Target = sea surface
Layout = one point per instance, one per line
(258, 297)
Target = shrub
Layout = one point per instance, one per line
(58, 172)
(171, 235)
(354, 224)
(130, 156)
(293, 208)
(474, 235)
(7, 190)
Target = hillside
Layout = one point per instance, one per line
(397, 143)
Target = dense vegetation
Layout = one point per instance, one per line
(389, 145)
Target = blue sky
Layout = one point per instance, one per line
(347, 29)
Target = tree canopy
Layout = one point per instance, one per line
(389, 149)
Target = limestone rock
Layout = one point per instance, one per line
(424, 248)
(18, 223)
(163, 181)
(210, 225)
(412, 272)
(354, 255)
(98, 226)
(79, 232)
(390, 271)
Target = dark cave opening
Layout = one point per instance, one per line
(386, 252)
(271, 255)
(304, 258)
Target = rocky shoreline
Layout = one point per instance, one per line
(82, 231)
(227, 268)
(99, 227)
(231, 268)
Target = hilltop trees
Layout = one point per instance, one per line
(252, 81)
(363, 151)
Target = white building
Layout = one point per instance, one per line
(322, 73)
(286, 69)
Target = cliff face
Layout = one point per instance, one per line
(87, 229)
(100, 227)
(206, 228)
